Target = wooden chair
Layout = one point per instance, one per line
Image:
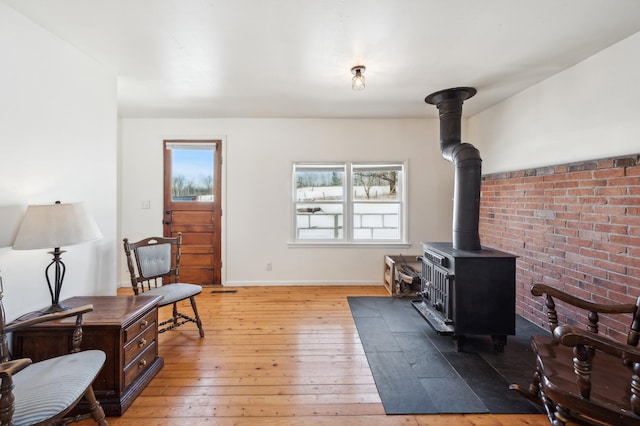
(156, 271)
(580, 375)
(45, 392)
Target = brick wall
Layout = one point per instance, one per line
(573, 226)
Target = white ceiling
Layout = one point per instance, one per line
(292, 58)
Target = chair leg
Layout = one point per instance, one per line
(7, 406)
(195, 311)
(175, 314)
(94, 406)
(553, 410)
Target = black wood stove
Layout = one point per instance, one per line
(466, 289)
(468, 292)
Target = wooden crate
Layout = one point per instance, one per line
(392, 276)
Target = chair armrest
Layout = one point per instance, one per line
(572, 336)
(593, 309)
(9, 368)
(540, 289)
(19, 325)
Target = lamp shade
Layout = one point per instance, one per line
(55, 225)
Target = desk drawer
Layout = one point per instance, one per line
(145, 359)
(141, 325)
(140, 343)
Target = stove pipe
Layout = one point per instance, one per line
(468, 166)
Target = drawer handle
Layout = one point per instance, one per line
(142, 363)
(144, 323)
(142, 342)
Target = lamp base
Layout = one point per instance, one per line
(56, 307)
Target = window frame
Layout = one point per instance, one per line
(349, 201)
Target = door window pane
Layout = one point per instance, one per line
(192, 174)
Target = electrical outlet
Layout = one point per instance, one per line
(146, 204)
(269, 266)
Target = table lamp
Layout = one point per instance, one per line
(53, 226)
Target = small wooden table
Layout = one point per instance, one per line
(124, 327)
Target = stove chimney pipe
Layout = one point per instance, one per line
(468, 166)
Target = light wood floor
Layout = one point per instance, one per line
(275, 356)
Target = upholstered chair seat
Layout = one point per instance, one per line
(174, 293)
(46, 388)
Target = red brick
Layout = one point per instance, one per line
(627, 161)
(610, 210)
(611, 248)
(610, 191)
(582, 192)
(610, 266)
(625, 201)
(582, 207)
(626, 240)
(606, 163)
(633, 171)
(595, 218)
(591, 183)
(567, 184)
(608, 173)
(624, 181)
(610, 228)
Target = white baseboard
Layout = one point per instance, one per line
(300, 283)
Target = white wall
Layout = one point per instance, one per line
(589, 111)
(58, 123)
(257, 190)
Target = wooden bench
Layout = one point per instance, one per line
(582, 376)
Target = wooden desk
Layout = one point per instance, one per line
(124, 327)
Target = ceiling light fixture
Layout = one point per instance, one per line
(357, 82)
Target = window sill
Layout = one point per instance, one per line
(333, 244)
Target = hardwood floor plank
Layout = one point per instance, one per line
(263, 381)
(276, 421)
(259, 401)
(257, 407)
(217, 389)
(275, 356)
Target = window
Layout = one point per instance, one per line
(349, 202)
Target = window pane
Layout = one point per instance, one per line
(376, 221)
(319, 221)
(319, 185)
(375, 185)
(192, 174)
